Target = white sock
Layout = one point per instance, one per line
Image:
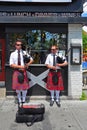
(57, 95)
(52, 95)
(24, 93)
(19, 95)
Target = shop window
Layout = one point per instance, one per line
(38, 43)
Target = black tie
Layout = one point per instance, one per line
(54, 63)
(19, 59)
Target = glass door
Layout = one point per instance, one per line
(37, 40)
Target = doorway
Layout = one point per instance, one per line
(2, 59)
(38, 38)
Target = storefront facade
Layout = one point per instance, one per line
(39, 25)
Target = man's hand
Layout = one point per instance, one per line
(59, 65)
(27, 66)
(53, 67)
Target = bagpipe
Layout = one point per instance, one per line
(26, 55)
(59, 60)
(26, 59)
(55, 78)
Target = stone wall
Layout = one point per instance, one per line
(74, 71)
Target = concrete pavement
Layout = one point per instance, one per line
(72, 115)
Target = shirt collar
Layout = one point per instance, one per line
(56, 54)
(17, 50)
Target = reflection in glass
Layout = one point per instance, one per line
(38, 43)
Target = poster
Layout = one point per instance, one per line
(76, 55)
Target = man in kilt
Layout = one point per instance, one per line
(18, 65)
(54, 79)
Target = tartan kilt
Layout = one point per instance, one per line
(51, 86)
(16, 85)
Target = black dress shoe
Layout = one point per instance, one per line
(51, 103)
(58, 103)
(23, 102)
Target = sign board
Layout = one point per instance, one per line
(57, 1)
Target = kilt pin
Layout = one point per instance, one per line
(51, 86)
(16, 85)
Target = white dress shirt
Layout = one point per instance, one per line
(14, 57)
(49, 59)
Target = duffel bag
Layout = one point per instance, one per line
(28, 119)
(31, 109)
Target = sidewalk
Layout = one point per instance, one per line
(72, 115)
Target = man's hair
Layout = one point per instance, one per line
(18, 41)
(54, 46)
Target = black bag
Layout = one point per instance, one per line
(60, 60)
(55, 78)
(28, 119)
(26, 58)
(30, 113)
(31, 109)
(20, 77)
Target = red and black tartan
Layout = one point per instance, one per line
(50, 84)
(18, 86)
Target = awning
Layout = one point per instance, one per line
(25, 19)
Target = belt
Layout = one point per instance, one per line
(18, 70)
(57, 70)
